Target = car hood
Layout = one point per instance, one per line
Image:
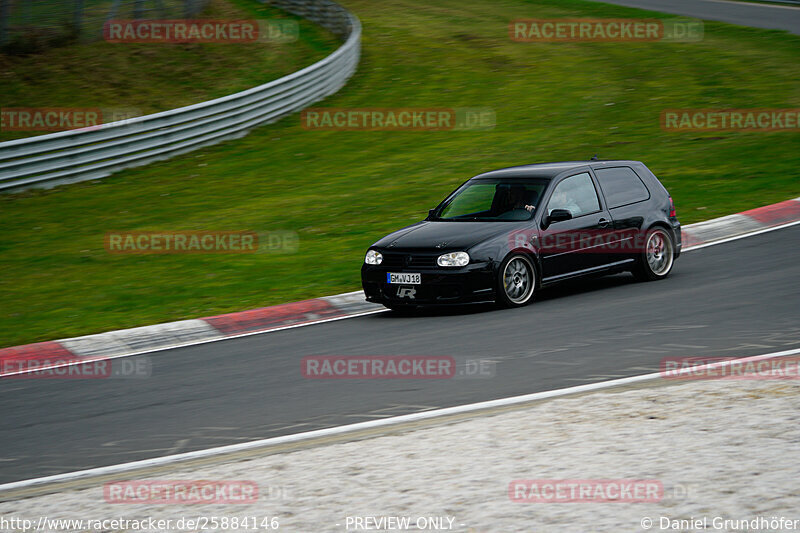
(445, 236)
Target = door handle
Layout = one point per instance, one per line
(603, 223)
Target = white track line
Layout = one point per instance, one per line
(742, 236)
(374, 424)
(324, 320)
(758, 4)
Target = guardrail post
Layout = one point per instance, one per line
(77, 18)
(138, 9)
(192, 7)
(5, 13)
(111, 15)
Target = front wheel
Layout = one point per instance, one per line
(516, 281)
(656, 260)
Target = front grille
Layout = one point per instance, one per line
(393, 260)
(423, 261)
(399, 260)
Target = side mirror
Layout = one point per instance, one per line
(431, 214)
(558, 215)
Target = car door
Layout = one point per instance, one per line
(572, 246)
(626, 198)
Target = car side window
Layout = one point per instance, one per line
(576, 194)
(621, 186)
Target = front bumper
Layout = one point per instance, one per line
(440, 286)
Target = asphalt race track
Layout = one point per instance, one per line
(734, 299)
(768, 16)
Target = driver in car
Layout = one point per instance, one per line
(516, 198)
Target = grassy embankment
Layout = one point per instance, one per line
(340, 191)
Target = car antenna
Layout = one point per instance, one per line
(594, 157)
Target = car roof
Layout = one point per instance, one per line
(551, 170)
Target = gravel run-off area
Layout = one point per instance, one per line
(717, 450)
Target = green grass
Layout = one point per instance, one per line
(341, 191)
(156, 77)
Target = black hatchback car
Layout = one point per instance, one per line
(504, 234)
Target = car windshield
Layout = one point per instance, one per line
(493, 200)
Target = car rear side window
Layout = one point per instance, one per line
(621, 186)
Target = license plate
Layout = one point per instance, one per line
(404, 279)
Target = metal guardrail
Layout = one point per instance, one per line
(78, 155)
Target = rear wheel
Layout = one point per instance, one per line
(656, 260)
(516, 281)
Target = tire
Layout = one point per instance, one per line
(658, 257)
(516, 281)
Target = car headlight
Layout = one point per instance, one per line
(453, 259)
(373, 258)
